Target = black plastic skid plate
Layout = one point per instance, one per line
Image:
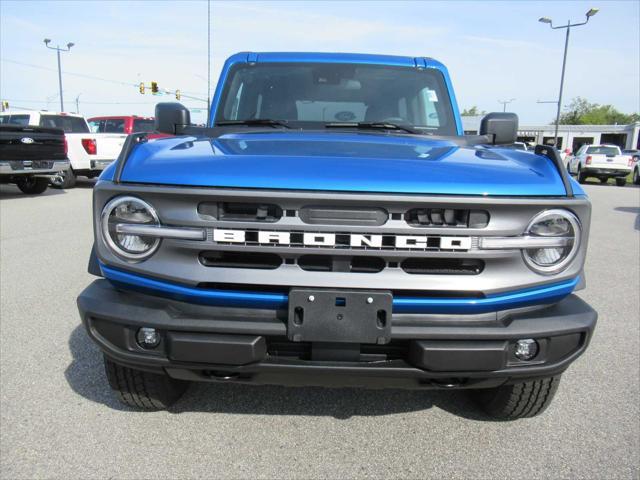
(349, 316)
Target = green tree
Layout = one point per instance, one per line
(472, 112)
(581, 112)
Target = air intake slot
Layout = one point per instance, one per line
(241, 212)
(367, 264)
(316, 263)
(446, 217)
(442, 266)
(263, 261)
(340, 263)
(319, 215)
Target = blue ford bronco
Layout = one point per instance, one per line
(332, 225)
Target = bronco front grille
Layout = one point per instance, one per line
(352, 239)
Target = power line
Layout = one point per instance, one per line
(93, 77)
(41, 102)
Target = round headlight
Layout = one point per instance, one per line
(549, 224)
(131, 211)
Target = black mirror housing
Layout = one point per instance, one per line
(502, 126)
(172, 118)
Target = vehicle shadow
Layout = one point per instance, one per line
(635, 210)
(85, 375)
(608, 184)
(9, 191)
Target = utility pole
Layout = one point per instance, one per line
(208, 59)
(78, 103)
(505, 103)
(568, 26)
(57, 48)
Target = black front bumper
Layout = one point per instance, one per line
(211, 343)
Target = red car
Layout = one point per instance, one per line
(124, 124)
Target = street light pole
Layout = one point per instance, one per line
(58, 50)
(568, 26)
(208, 60)
(505, 103)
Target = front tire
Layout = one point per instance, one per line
(143, 390)
(636, 176)
(582, 177)
(603, 180)
(520, 400)
(621, 181)
(64, 179)
(32, 185)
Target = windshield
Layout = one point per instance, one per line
(143, 125)
(311, 95)
(609, 151)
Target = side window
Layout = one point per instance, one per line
(114, 125)
(94, 126)
(429, 99)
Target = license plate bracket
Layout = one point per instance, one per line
(342, 316)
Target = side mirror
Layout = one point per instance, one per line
(172, 118)
(503, 127)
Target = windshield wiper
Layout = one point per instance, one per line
(372, 125)
(255, 122)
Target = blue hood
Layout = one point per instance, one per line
(337, 161)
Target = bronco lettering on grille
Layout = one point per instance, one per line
(359, 240)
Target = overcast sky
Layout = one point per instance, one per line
(494, 50)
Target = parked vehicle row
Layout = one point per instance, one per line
(89, 146)
(31, 156)
(602, 162)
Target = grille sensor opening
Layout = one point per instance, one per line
(328, 263)
(328, 215)
(241, 212)
(446, 217)
(263, 261)
(442, 266)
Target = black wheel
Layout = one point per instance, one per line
(143, 390)
(64, 179)
(582, 177)
(603, 179)
(636, 176)
(521, 400)
(33, 185)
(621, 181)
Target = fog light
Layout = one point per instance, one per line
(148, 337)
(526, 349)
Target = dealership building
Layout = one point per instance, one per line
(570, 136)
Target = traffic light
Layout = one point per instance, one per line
(154, 87)
(142, 88)
(177, 94)
(5, 105)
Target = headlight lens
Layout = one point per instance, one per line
(553, 223)
(129, 210)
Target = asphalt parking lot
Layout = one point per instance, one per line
(59, 418)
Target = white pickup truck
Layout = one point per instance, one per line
(88, 153)
(602, 162)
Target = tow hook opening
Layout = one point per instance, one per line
(447, 383)
(222, 376)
